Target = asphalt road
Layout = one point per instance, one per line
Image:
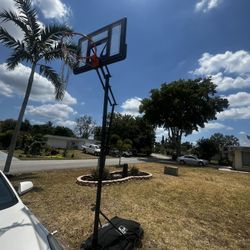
(43, 165)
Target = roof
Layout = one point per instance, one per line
(65, 138)
(239, 148)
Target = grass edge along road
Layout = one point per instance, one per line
(201, 209)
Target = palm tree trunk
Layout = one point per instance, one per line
(19, 121)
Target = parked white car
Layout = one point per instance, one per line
(19, 228)
(192, 160)
(91, 149)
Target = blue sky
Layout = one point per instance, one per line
(167, 40)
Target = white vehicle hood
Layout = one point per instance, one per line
(20, 230)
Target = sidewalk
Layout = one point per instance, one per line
(3, 157)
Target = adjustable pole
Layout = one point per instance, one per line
(101, 162)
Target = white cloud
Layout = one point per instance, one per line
(213, 126)
(159, 132)
(242, 113)
(51, 111)
(5, 89)
(53, 8)
(217, 125)
(242, 133)
(225, 82)
(14, 83)
(230, 70)
(131, 106)
(228, 62)
(239, 108)
(50, 9)
(10, 27)
(239, 99)
(56, 122)
(207, 5)
(244, 141)
(68, 123)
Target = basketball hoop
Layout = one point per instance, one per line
(112, 47)
(72, 55)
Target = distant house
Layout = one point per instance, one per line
(240, 157)
(55, 141)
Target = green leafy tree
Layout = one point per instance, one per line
(85, 126)
(123, 145)
(222, 142)
(206, 148)
(26, 126)
(5, 139)
(39, 47)
(97, 133)
(63, 131)
(183, 106)
(136, 129)
(7, 125)
(37, 144)
(44, 129)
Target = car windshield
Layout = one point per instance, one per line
(7, 197)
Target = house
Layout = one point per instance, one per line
(240, 157)
(55, 141)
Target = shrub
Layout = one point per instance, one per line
(65, 152)
(35, 148)
(54, 152)
(95, 174)
(174, 157)
(5, 139)
(225, 162)
(134, 171)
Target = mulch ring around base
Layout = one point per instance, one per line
(115, 177)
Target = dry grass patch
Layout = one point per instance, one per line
(201, 209)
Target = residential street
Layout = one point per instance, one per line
(43, 165)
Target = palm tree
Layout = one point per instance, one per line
(39, 47)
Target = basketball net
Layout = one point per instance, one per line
(72, 56)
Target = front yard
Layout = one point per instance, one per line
(203, 208)
(59, 154)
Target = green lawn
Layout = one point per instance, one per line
(203, 208)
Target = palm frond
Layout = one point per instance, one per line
(8, 40)
(54, 78)
(29, 15)
(16, 57)
(54, 32)
(53, 54)
(9, 16)
(57, 53)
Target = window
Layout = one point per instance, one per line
(7, 197)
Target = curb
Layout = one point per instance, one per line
(109, 182)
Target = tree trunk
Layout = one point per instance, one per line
(178, 148)
(178, 145)
(19, 121)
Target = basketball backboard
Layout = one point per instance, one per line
(109, 44)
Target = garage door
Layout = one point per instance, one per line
(246, 159)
